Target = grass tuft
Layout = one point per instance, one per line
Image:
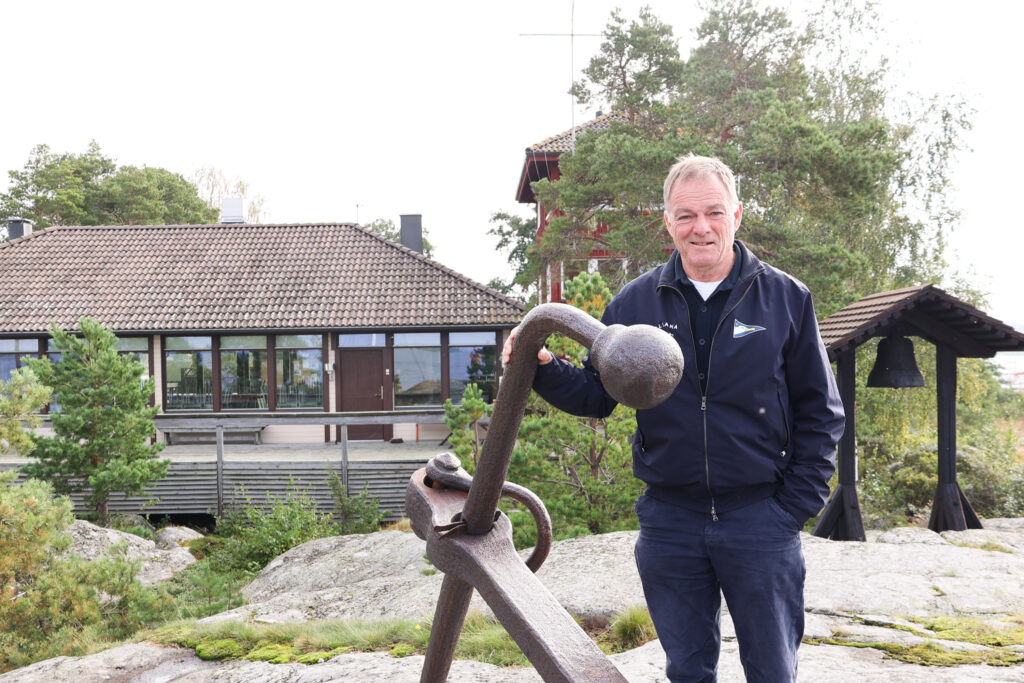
(632, 628)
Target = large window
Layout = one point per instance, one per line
(243, 372)
(471, 358)
(189, 378)
(417, 369)
(11, 353)
(137, 348)
(300, 371)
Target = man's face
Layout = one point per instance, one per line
(702, 223)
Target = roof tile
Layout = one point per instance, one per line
(210, 277)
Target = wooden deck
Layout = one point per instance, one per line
(190, 486)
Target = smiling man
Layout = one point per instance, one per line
(739, 457)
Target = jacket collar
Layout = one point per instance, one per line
(750, 265)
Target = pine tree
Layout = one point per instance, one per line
(103, 427)
(21, 397)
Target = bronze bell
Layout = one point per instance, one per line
(895, 366)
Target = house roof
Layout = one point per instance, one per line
(542, 158)
(563, 141)
(234, 277)
(925, 311)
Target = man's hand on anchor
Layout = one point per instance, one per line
(543, 355)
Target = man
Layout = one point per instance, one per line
(739, 457)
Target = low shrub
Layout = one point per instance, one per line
(358, 514)
(249, 536)
(52, 604)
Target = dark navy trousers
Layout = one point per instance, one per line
(753, 556)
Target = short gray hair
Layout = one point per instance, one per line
(693, 166)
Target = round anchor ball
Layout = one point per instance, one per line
(640, 365)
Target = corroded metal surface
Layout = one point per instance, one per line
(446, 470)
(471, 541)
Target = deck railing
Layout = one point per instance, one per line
(231, 421)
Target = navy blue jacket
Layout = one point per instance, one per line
(770, 418)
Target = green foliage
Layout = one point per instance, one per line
(896, 432)
(580, 467)
(993, 478)
(32, 527)
(838, 188)
(582, 470)
(104, 426)
(52, 604)
(131, 524)
(516, 236)
(633, 627)
(972, 630)
(223, 648)
(357, 514)
(462, 420)
(482, 639)
(21, 397)
(589, 293)
(386, 228)
(206, 587)
(251, 535)
(89, 189)
(637, 67)
(930, 654)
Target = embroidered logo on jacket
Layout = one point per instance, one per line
(742, 329)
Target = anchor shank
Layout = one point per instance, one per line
(510, 404)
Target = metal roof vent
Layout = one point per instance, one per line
(18, 227)
(232, 210)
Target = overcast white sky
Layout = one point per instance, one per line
(414, 107)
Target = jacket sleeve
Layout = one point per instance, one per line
(817, 420)
(574, 390)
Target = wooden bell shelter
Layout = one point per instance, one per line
(958, 330)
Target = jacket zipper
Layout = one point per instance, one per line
(707, 387)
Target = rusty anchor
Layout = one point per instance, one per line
(470, 540)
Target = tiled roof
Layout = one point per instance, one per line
(925, 311)
(563, 141)
(234, 277)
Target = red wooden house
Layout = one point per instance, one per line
(542, 162)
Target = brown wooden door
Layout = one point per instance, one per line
(362, 388)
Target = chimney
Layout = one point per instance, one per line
(18, 227)
(412, 231)
(232, 210)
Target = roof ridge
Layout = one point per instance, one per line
(320, 224)
(438, 265)
(579, 129)
(435, 264)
